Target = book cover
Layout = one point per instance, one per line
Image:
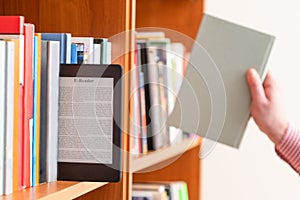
(2, 111)
(88, 48)
(52, 104)
(43, 112)
(9, 119)
(28, 100)
(214, 97)
(11, 24)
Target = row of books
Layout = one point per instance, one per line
(29, 97)
(177, 190)
(156, 79)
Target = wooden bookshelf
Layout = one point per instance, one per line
(162, 157)
(107, 18)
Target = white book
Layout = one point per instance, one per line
(68, 47)
(9, 115)
(97, 53)
(52, 104)
(108, 54)
(88, 48)
(2, 112)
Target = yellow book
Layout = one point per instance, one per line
(38, 102)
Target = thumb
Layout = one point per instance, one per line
(255, 85)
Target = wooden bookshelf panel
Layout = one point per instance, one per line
(39, 191)
(183, 16)
(162, 157)
(186, 168)
(27, 8)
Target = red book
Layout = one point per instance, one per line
(28, 100)
(11, 24)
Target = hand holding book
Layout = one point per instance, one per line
(268, 113)
(266, 108)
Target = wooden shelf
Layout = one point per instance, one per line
(55, 190)
(161, 157)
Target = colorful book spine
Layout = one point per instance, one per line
(73, 53)
(37, 110)
(28, 101)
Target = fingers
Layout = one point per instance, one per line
(270, 86)
(255, 85)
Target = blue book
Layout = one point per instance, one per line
(35, 107)
(73, 53)
(65, 45)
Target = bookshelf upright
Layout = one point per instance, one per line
(106, 18)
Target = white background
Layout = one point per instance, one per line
(255, 171)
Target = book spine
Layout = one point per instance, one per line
(43, 112)
(9, 132)
(109, 53)
(35, 112)
(68, 47)
(37, 106)
(97, 54)
(52, 104)
(143, 114)
(73, 53)
(28, 100)
(80, 52)
(2, 112)
(155, 98)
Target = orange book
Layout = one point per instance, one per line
(28, 102)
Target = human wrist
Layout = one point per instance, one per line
(279, 132)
